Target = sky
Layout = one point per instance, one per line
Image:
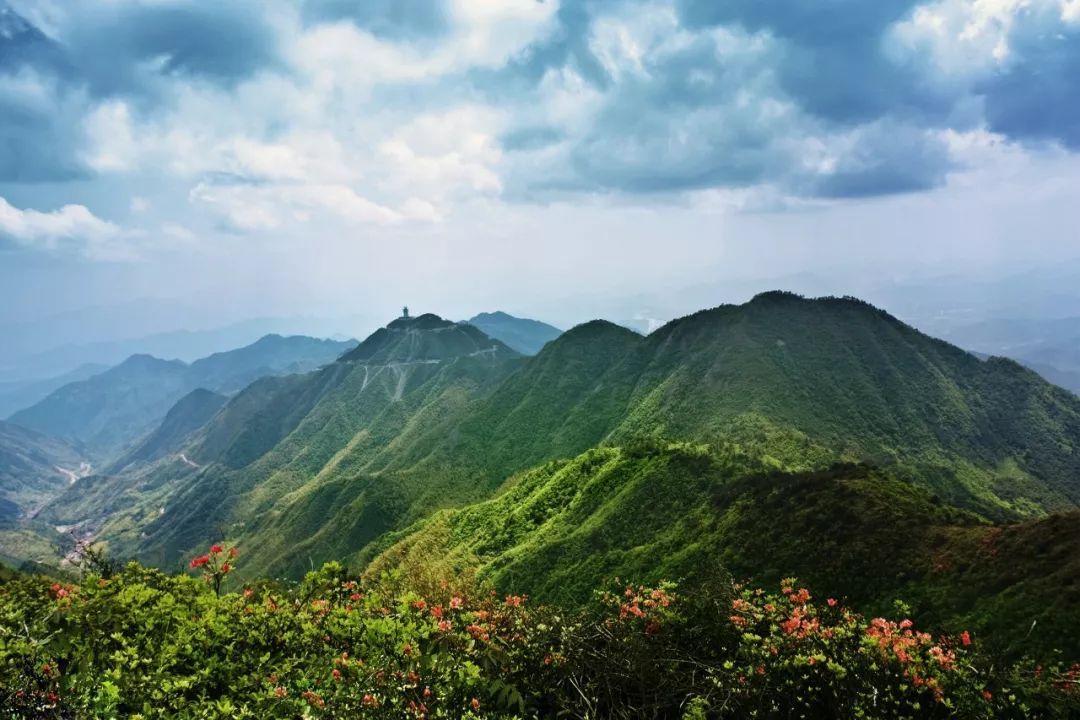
(562, 159)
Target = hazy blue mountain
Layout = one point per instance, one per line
(526, 336)
(186, 345)
(33, 468)
(109, 411)
(18, 395)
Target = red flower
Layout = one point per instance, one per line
(215, 549)
(233, 552)
(987, 695)
(475, 704)
(831, 602)
(200, 561)
(225, 568)
(336, 674)
(965, 638)
(46, 670)
(455, 603)
(369, 700)
(280, 692)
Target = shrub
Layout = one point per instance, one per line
(144, 644)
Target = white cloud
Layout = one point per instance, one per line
(445, 154)
(70, 227)
(971, 37)
(1070, 11)
(111, 138)
(264, 208)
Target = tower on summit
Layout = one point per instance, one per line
(405, 311)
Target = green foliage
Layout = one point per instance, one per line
(666, 509)
(147, 645)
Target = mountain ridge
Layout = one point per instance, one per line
(326, 464)
(111, 410)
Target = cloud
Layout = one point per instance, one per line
(359, 111)
(128, 46)
(1034, 97)
(70, 227)
(39, 131)
(247, 208)
(386, 18)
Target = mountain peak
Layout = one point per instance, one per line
(427, 321)
(526, 336)
(424, 338)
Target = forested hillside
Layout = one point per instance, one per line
(426, 414)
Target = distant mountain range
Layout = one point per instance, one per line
(15, 396)
(527, 337)
(1049, 347)
(109, 411)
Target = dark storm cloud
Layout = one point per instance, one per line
(36, 137)
(1037, 96)
(125, 48)
(36, 143)
(47, 85)
(703, 115)
(397, 19)
(832, 61)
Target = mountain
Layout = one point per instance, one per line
(15, 396)
(56, 344)
(33, 468)
(291, 458)
(782, 375)
(526, 336)
(426, 415)
(1068, 379)
(676, 510)
(109, 411)
(188, 415)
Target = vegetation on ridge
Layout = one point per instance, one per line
(137, 643)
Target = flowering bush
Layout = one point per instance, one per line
(143, 644)
(215, 565)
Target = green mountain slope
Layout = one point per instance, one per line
(287, 458)
(779, 377)
(191, 413)
(675, 510)
(33, 468)
(526, 336)
(425, 415)
(109, 411)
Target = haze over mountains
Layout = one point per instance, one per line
(106, 412)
